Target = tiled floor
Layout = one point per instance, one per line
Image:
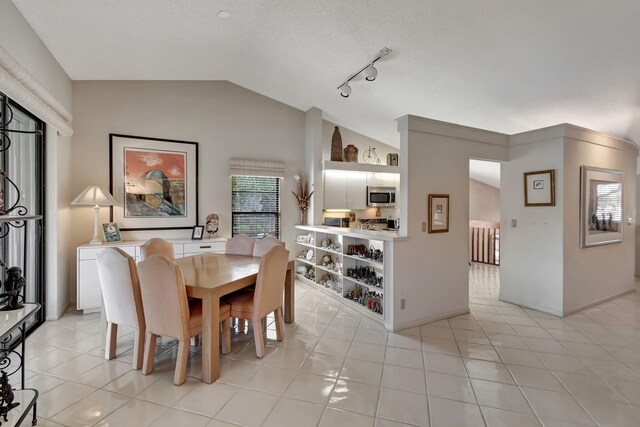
(501, 365)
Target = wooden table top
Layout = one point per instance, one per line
(211, 270)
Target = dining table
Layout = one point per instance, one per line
(211, 276)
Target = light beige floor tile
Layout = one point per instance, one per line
(477, 351)
(501, 396)
(546, 346)
(236, 410)
(509, 341)
(51, 359)
(497, 328)
(630, 390)
(356, 397)
(43, 383)
(369, 336)
(133, 383)
(562, 363)
(286, 358)
(403, 357)
(310, 388)
(500, 418)
(588, 351)
(342, 332)
(450, 387)
(430, 331)
(299, 341)
(362, 371)
(406, 379)
(294, 413)
(532, 332)
(559, 406)
(164, 392)
(585, 385)
(270, 380)
(568, 335)
(550, 422)
(401, 406)
(174, 417)
(333, 347)
(333, 417)
(608, 413)
(368, 352)
(535, 378)
(520, 321)
(445, 364)
(468, 324)
(133, 413)
(380, 422)
(61, 397)
(610, 369)
(489, 371)
(408, 342)
(442, 346)
(238, 372)
(514, 356)
(207, 399)
(103, 374)
(446, 412)
(91, 409)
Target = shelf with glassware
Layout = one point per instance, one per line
(348, 267)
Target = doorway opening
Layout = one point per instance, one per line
(484, 228)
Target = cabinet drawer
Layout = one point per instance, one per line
(197, 248)
(91, 253)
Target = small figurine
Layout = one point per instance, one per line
(212, 224)
(12, 287)
(6, 397)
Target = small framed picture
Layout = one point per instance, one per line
(198, 232)
(539, 188)
(111, 232)
(438, 213)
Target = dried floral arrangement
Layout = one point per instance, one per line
(302, 194)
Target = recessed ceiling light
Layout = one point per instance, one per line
(224, 14)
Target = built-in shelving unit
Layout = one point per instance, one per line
(359, 167)
(326, 259)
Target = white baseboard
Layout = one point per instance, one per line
(429, 319)
(599, 301)
(536, 307)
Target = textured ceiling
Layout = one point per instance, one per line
(502, 65)
(485, 171)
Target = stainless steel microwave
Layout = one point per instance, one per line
(381, 196)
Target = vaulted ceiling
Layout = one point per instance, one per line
(502, 65)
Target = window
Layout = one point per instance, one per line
(255, 206)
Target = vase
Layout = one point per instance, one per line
(336, 146)
(303, 216)
(351, 154)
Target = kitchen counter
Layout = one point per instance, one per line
(354, 232)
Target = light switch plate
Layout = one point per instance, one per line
(514, 223)
(424, 226)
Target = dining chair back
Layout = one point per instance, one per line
(270, 282)
(240, 245)
(157, 246)
(263, 245)
(122, 299)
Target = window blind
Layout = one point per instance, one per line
(255, 206)
(609, 201)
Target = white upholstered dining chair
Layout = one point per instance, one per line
(262, 246)
(122, 300)
(266, 298)
(157, 246)
(169, 312)
(240, 245)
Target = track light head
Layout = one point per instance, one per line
(370, 73)
(345, 90)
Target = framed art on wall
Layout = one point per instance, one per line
(540, 188)
(438, 213)
(601, 206)
(155, 182)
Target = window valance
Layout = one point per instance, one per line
(248, 167)
(19, 85)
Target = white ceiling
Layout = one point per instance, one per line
(484, 171)
(502, 65)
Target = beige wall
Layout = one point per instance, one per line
(484, 201)
(19, 39)
(227, 120)
(360, 141)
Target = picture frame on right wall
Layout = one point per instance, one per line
(540, 188)
(601, 206)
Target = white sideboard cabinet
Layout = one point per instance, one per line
(89, 297)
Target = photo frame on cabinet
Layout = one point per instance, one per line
(111, 232)
(540, 188)
(198, 232)
(155, 182)
(601, 206)
(438, 213)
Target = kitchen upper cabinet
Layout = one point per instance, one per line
(382, 179)
(345, 190)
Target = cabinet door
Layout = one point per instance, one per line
(335, 190)
(89, 293)
(357, 190)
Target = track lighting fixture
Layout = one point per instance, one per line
(345, 90)
(370, 73)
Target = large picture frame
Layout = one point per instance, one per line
(601, 206)
(438, 213)
(155, 182)
(540, 188)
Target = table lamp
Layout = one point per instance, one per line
(96, 197)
